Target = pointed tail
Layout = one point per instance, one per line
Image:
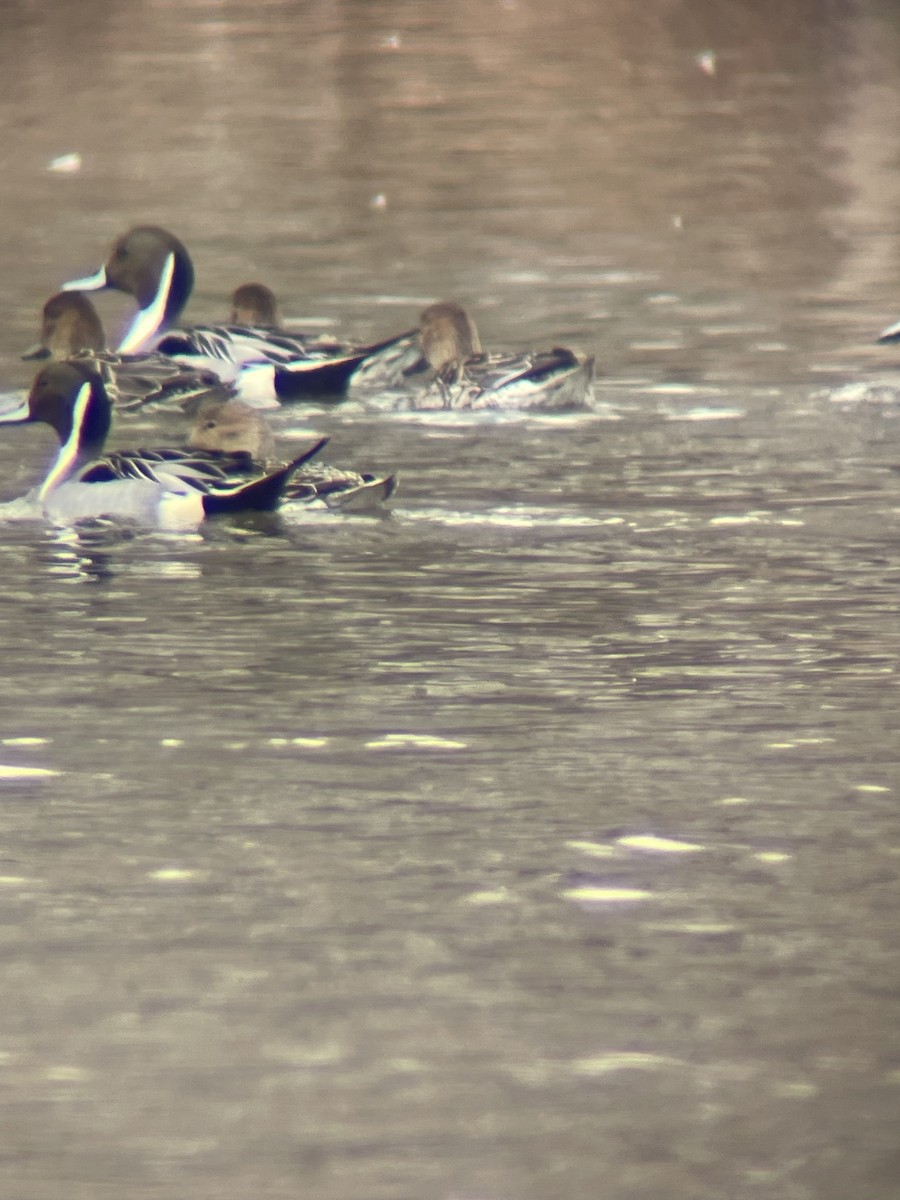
(308, 378)
(259, 495)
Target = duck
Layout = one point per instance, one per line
(152, 265)
(254, 304)
(71, 329)
(165, 488)
(462, 376)
(236, 428)
(267, 365)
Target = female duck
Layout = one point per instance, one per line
(463, 377)
(253, 304)
(235, 428)
(71, 329)
(163, 488)
(152, 265)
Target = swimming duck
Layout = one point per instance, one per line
(254, 307)
(463, 377)
(235, 428)
(163, 488)
(449, 339)
(154, 266)
(254, 304)
(71, 328)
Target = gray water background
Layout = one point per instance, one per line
(541, 841)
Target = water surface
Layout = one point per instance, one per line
(539, 840)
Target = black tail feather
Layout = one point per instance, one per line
(316, 379)
(311, 453)
(260, 495)
(309, 380)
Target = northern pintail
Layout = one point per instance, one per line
(71, 329)
(154, 267)
(463, 376)
(235, 428)
(267, 365)
(254, 304)
(163, 488)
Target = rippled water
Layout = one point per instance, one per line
(539, 840)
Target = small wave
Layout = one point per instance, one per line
(883, 392)
(705, 413)
(23, 508)
(397, 406)
(511, 517)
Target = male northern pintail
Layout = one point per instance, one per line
(235, 428)
(462, 376)
(163, 488)
(267, 365)
(71, 329)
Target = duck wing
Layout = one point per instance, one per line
(234, 345)
(202, 469)
(136, 381)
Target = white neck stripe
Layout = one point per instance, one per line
(69, 451)
(149, 319)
